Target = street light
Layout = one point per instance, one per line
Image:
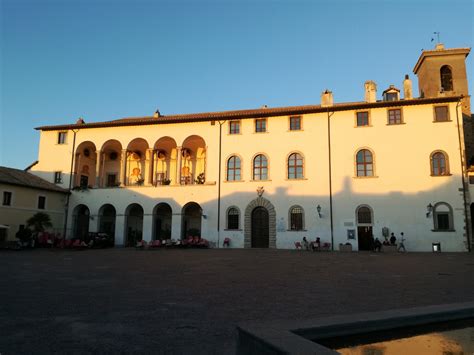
(429, 209)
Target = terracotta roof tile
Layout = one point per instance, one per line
(246, 114)
(18, 177)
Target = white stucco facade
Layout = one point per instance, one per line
(401, 168)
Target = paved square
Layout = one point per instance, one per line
(190, 301)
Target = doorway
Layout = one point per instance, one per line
(364, 217)
(260, 228)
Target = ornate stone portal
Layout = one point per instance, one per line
(259, 202)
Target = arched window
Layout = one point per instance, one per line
(443, 217)
(364, 215)
(233, 216)
(365, 164)
(295, 166)
(260, 167)
(233, 168)
(446, 78)
(439, 165)
(296, 218)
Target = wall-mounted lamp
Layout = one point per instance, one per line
(319, 210)
(429, 209)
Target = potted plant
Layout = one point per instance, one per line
(201, 179)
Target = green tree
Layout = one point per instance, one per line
(39, 222)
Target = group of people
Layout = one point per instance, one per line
(377, 244)
(314, 246)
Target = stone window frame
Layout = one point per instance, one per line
(446, 163)
(300, 123)
(401, 116)
(356, 170)
(290, 213)
(238, 123)
(62, 137)
(227, 167)
(296, 166)
(435, 116)
(267, 166)
(256, 125)
(437, 213)
(227, 213)
(356, 118)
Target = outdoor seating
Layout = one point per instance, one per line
(298, 246)
(326, 246)
(226, 242)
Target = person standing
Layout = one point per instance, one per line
(393, 239)
(402, 239)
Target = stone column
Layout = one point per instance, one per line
(123, 165)
(148, 167)
(176, 226)
(178, 165)
(77, 179)
(98, 161)
(120, 230)
(147, 227)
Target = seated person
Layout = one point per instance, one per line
(317, 244)
(305, 243)
(377, 245)
(393, 239)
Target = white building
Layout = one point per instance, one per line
(267, 177)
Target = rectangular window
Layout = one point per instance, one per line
(41, 202)
(58, 177)
(362, 118)
(395, 116)
(443, 220)
(471, 179)
(233, 221)
(84, 181)
(111, 180)
(62, 137)
(260, 125)
(295, 123)
(234, 127)
(441, 113)
(7, 198)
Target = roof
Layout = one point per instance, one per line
(251, 113)
(18, 177)
(439, 52)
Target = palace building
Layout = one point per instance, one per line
(267, 177)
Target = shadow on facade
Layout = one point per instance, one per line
(163, 212)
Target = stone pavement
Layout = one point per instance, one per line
(190, 301)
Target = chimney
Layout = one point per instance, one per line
(327, 99)
(157, 114)
(407, 88)
(370, 91)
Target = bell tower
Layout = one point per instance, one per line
(442, 72)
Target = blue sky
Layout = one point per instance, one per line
(105, 60)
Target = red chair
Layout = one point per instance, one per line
(298, 246)
(76, 244)
(226, 242)
(326, 246)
